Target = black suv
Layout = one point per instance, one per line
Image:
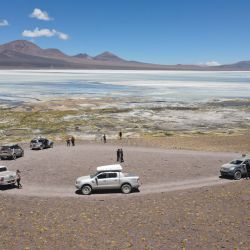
(11, 152)
(41, 143)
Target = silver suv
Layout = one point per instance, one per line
(11, 152)
(41, 143)
(108, 177)
(236, 168)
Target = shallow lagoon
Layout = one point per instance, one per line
(91, 102)
(150, 86)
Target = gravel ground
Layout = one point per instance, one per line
(194, 215)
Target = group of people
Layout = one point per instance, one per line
(104, 138)
(119, 155)
(70, 141)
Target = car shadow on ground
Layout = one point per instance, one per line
(230, 178)
(7, 187)
(113, 191)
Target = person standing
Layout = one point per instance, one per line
(18, 179)
(73, 141)
(120, 135)
(118, 155)
(121, 155)
(104, 138)
(68, 142)
(248, 170)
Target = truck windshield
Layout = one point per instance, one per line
(3, 169)
(93, 175)
(236, 162)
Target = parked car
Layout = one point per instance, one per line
(7, 177)
(108, 177)
(41, 143)
(11, 152)
(236, 168)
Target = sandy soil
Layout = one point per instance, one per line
(183, 204)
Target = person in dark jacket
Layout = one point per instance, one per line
(104, 138)
(118, 155)
(121, 155)
(68, 142)
(73, 141)
(248, 170)
(120, 135)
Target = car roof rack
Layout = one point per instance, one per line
(114, 167)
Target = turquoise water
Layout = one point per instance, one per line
(17, 87)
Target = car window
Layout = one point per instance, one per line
(237, 162)
(101, 176)
(112, 175)
(3, 169)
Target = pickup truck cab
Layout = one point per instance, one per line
(108, 177)
(7, 177)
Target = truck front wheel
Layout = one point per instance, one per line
(126, 188)
(86, 190)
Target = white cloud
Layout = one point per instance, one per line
(62, 36)
(4, 22)
(41, 15)
(212, 63)
(45, 33)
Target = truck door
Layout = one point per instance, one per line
(101, 181)
(113, 180)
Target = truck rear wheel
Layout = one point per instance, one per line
(126, 188)
(86, 190)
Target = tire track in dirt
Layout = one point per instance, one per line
(70, 191)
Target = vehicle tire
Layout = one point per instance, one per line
(126, 188)
(51, 145)
(14, 156)
(86, 190)
(22, 155)
(237, 175)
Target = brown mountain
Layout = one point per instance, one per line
(27, 55)
(83, 56)
(108, 56)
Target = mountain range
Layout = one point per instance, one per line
(22, 54)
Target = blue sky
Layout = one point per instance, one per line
(158, 31)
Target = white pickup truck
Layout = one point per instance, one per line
(108, 177)
(7, 177)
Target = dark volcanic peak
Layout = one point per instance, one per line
(108, 56)
(25, 54)
(83, 56)
(21, 46)
(54, 53)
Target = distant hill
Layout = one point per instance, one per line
(22, 54)
(108, 56)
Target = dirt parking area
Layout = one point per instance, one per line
(182, 204)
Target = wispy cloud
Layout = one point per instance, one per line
(4, 22)
(212, 63)
(45, 33)
(41, 15)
